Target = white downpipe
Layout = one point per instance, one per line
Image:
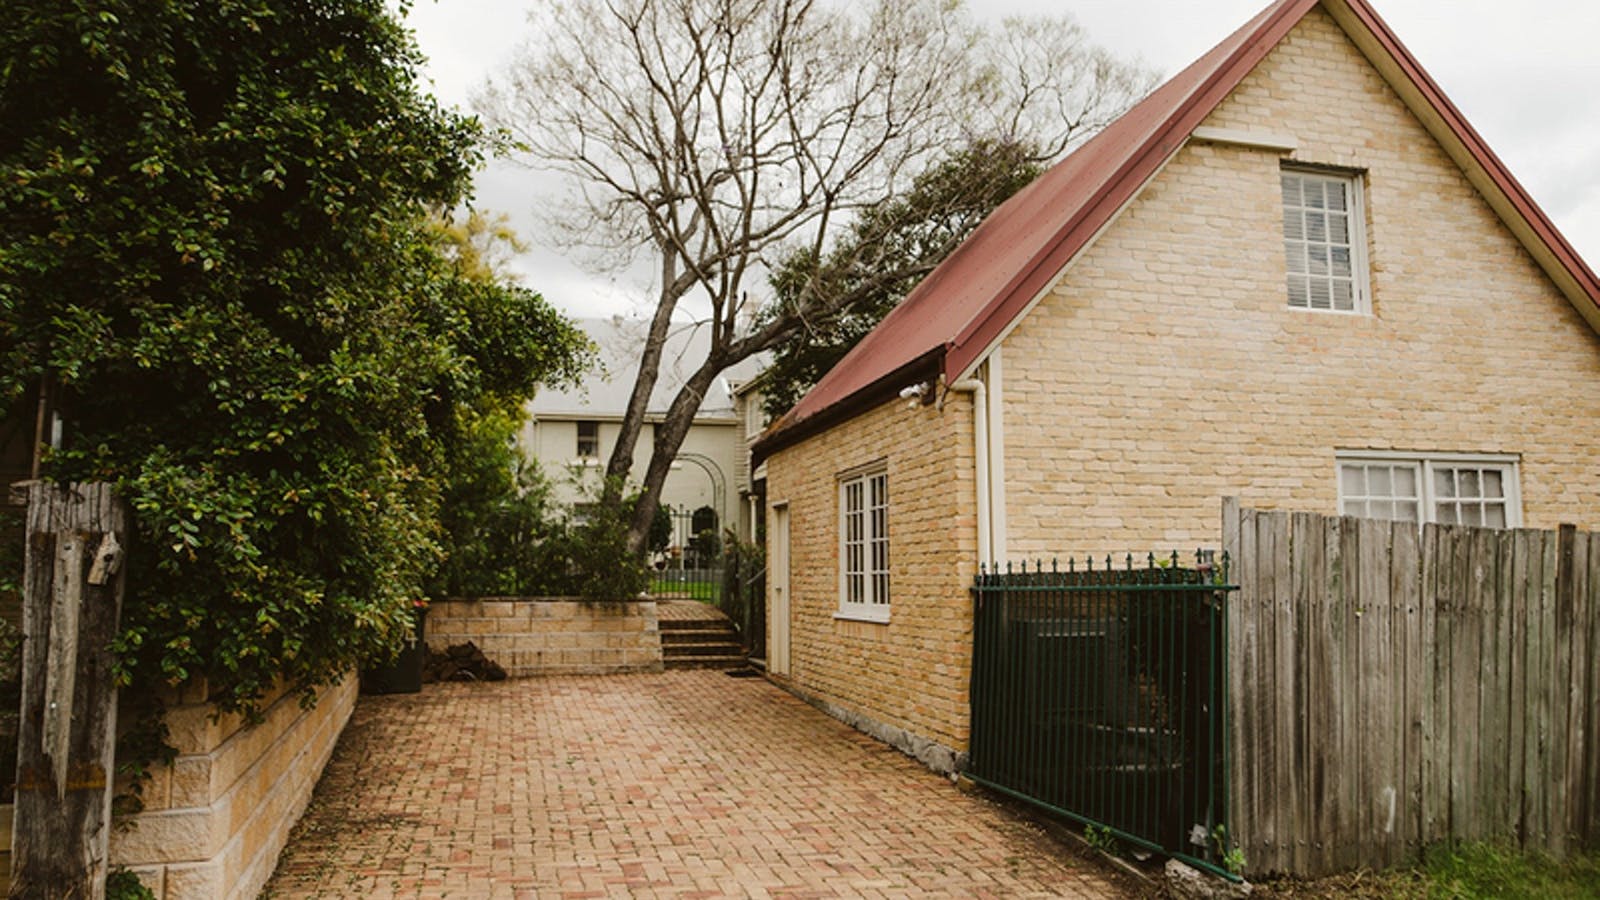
(995, 380)
(980, 452)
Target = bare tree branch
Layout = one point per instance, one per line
(724, 135)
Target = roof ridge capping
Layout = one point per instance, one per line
(970, 301)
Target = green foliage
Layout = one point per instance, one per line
(705, 547)
(660, 530)
(1233, 858)
(602, 566)
(1484, 870)
(122, 884)
(11, 561)
(502, 536)
(1100, 838)
(213, 246)
(903, 237)
(479, 244)
(10, 702)
(744, 569)
(141, 745)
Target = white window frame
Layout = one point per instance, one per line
(1426, 465)
(1356, 236)
(867, 599)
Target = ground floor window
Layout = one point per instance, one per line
(1449, 489)
(864, 544)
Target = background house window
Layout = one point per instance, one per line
(1450, 490)
(864, 545)
(588, 440)
(1322, 241)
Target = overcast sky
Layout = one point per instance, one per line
(1526, 76)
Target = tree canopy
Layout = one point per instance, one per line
(214, 261)
(906, 235)
(721, 137)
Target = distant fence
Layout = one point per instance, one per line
(1393, 687)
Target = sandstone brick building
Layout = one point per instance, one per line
(1293, 274)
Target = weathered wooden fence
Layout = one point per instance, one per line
(72, 596)
(1392, 687)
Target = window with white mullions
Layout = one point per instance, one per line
(1324, 250)
(864, 545)
(1381, 490)
(1470, 495)
(1444, 488)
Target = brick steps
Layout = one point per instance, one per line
(701, 644)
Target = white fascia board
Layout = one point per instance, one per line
(1256, 140)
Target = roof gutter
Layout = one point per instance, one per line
(786, 434)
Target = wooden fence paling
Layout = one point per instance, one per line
(1391, 688)
(72, 595)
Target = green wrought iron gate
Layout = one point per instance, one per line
(1098, 693)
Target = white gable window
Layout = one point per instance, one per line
(1445, 488)
(1323, 244)
(864, 544)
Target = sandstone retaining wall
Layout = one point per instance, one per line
(531, 636)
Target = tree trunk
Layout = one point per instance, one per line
(620, 465)
(72, 595)
(674, 427)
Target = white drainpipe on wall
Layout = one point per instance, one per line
(989, 464)
(997, 458)
(980, 452)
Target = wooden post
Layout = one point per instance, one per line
(72, 595)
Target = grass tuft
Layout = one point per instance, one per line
(1485, 870)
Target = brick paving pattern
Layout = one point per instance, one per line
(680, 784)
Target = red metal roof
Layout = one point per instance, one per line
(969, 301)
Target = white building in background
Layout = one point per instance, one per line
(570, 433)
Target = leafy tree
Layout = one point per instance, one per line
(907, 235)
(500, 530)
(718, 137)
(214, 258)
(479, 243)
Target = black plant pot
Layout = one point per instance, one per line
(404, 675)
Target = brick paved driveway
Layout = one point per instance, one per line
(683, 784)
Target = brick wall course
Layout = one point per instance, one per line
(887, 672)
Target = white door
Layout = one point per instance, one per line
(778, 594)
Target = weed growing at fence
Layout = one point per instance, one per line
(1232, 858)
(1484, 870)
(1461, 872)
(1100, 838)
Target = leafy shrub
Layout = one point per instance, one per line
(122, 884)
(213, 252)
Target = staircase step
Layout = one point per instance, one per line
(706, 636)
(706, 662)
(693, 624)
(721, 648)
